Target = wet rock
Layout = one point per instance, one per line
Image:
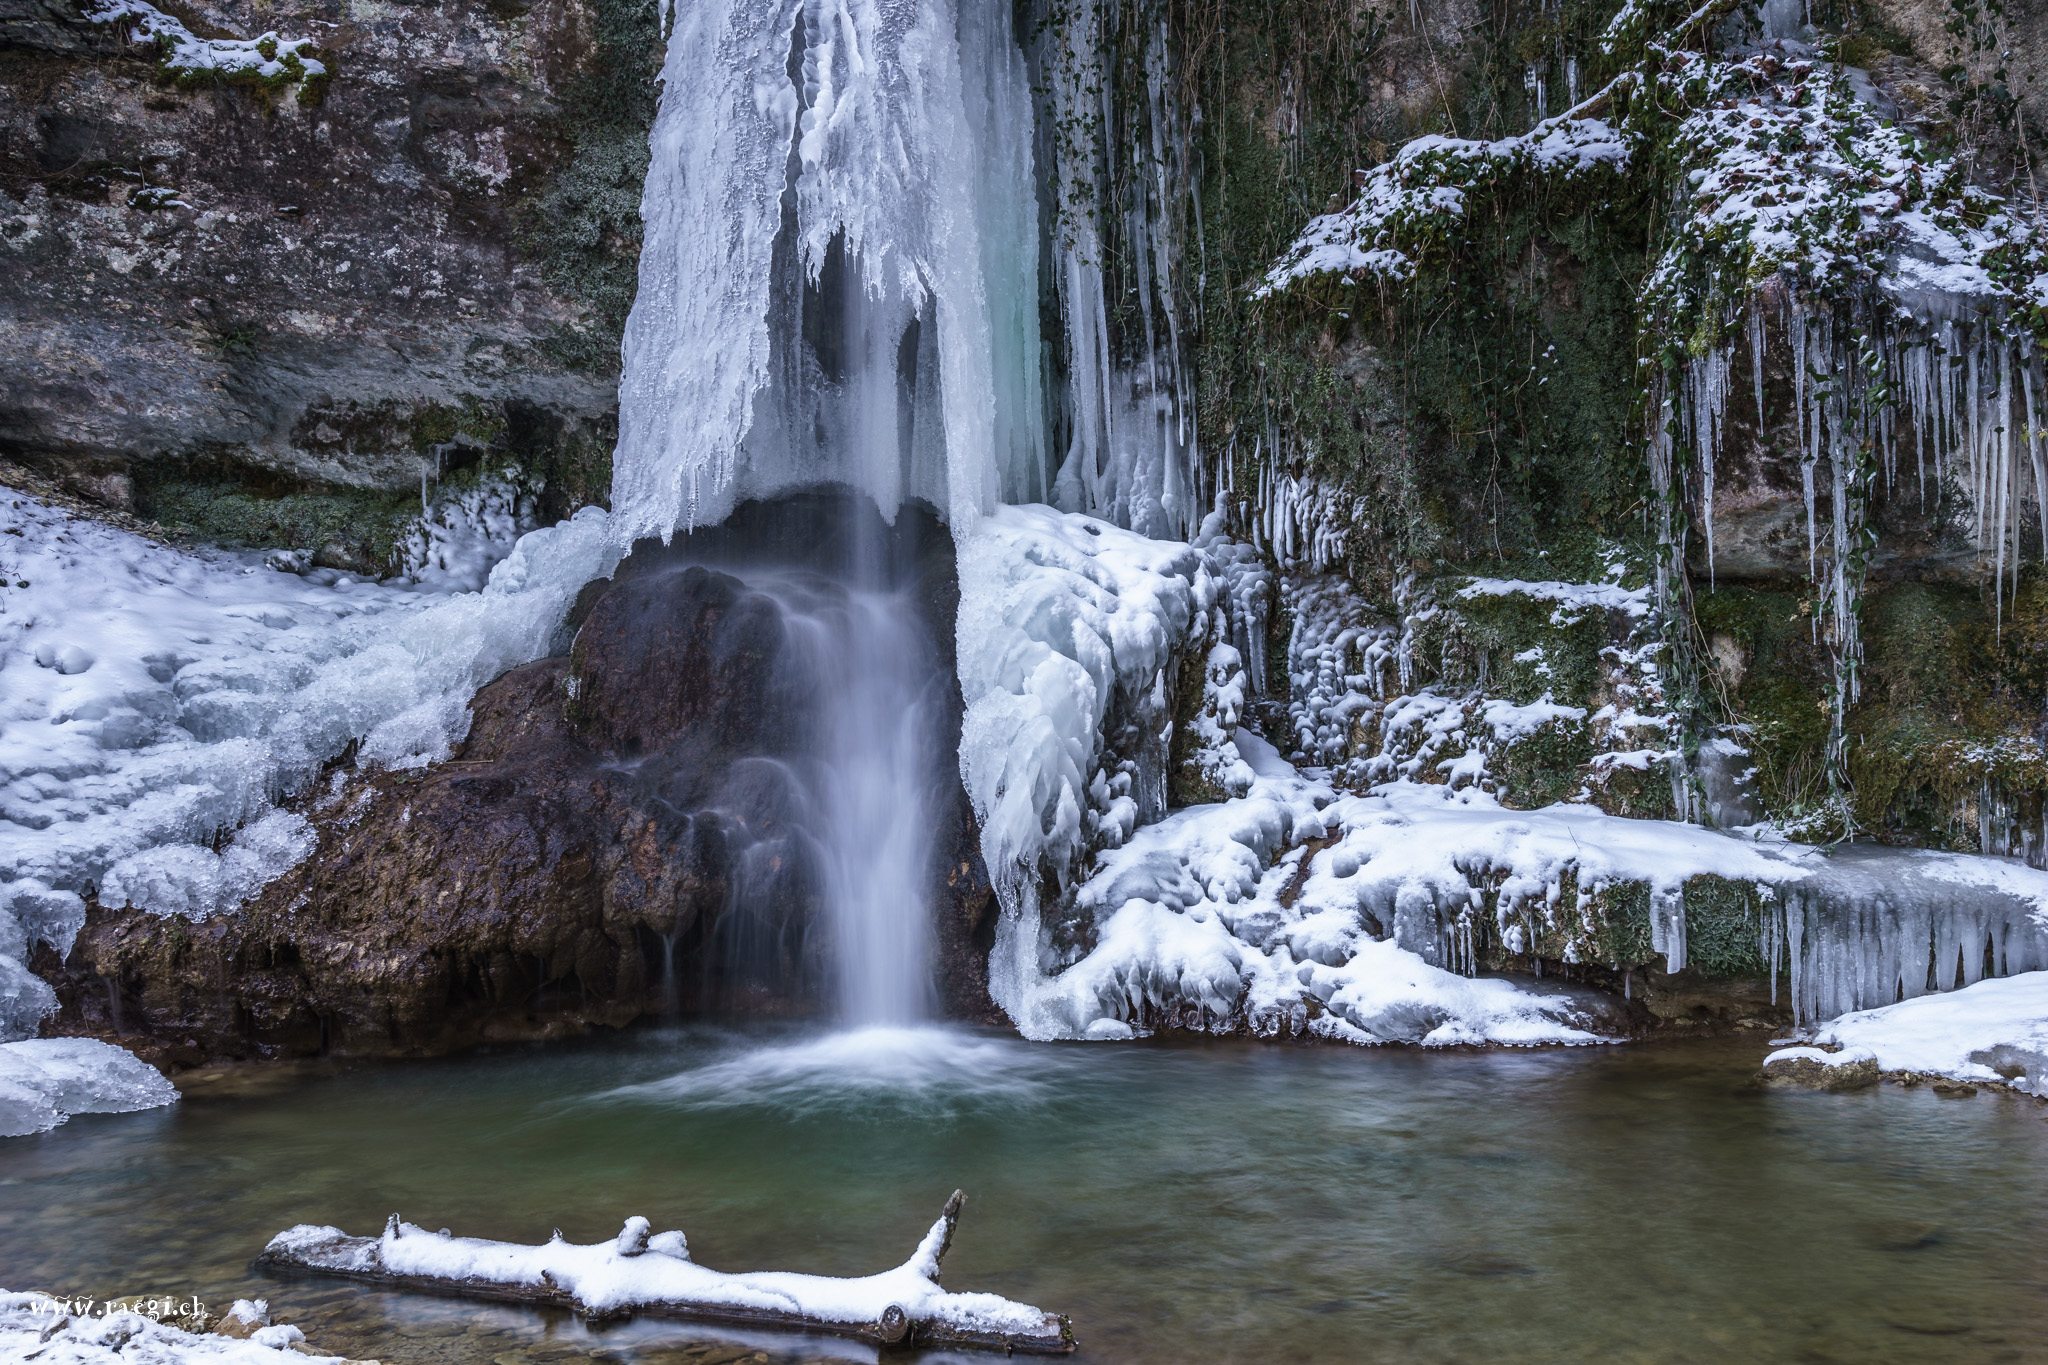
(1808, 1068)
(572, 865)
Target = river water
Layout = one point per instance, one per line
(1183, 1202)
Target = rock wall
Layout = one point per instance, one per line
(275, 312)
(602, 848)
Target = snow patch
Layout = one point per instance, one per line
(185, 54)
(36, 1327)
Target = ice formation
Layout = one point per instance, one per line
(1069, 631)
(831, 162)
(1121, 178)
(1234, 915)
(44, 1081)
(38, 1327)
(1993, 1031)
(464, 533)
(1351, 898)
(1898, 296)
(840, 277)
(1875, 926)
(156, 704)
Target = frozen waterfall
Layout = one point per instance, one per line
(839, 281)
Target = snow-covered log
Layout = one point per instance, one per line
(638, 1273)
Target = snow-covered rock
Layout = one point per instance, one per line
(1069, 628)
(154, 700)
(36, 1327)
(1993, 1032)
(1296, 908)
(44, 1081)
(1813, 1068)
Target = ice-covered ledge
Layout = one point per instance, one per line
(636, 1272)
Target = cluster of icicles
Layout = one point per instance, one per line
(1958, 397)
(1963, 395)
(874, 173)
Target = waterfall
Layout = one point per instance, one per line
(846, 208)
(862, 790)
(839, 287)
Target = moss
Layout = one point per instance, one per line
(473, 420)
(1484, 413)
(564, 462)
(1617, 920)
(1541, 768)
(1525, 647)
(1776, 685)
(1723, 927)
(583, 229)
(347, 528)
(1187, 784)
(1637, 793)
(1948, 715)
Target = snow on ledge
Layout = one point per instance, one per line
(1571, 598)
(154, 700)
(266, 57)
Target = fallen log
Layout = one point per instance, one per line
(644, 1272)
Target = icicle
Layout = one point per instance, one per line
(1756, 364)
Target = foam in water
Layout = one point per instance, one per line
(924, 1070)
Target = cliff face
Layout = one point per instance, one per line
(1494, 402)
(273, 307)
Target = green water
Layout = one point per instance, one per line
(1221, 1202)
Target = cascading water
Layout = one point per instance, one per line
(839, 281)
(870, 785)
(812, 785)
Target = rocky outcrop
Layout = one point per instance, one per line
(602, 847)
(269, 311)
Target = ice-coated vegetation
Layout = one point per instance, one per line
(1816, 260)
(1417, 201)
(187, 57)
(463, 533)
(1357, 897)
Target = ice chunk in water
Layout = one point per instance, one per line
(44, 1081)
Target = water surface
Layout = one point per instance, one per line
(1191, 1202)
